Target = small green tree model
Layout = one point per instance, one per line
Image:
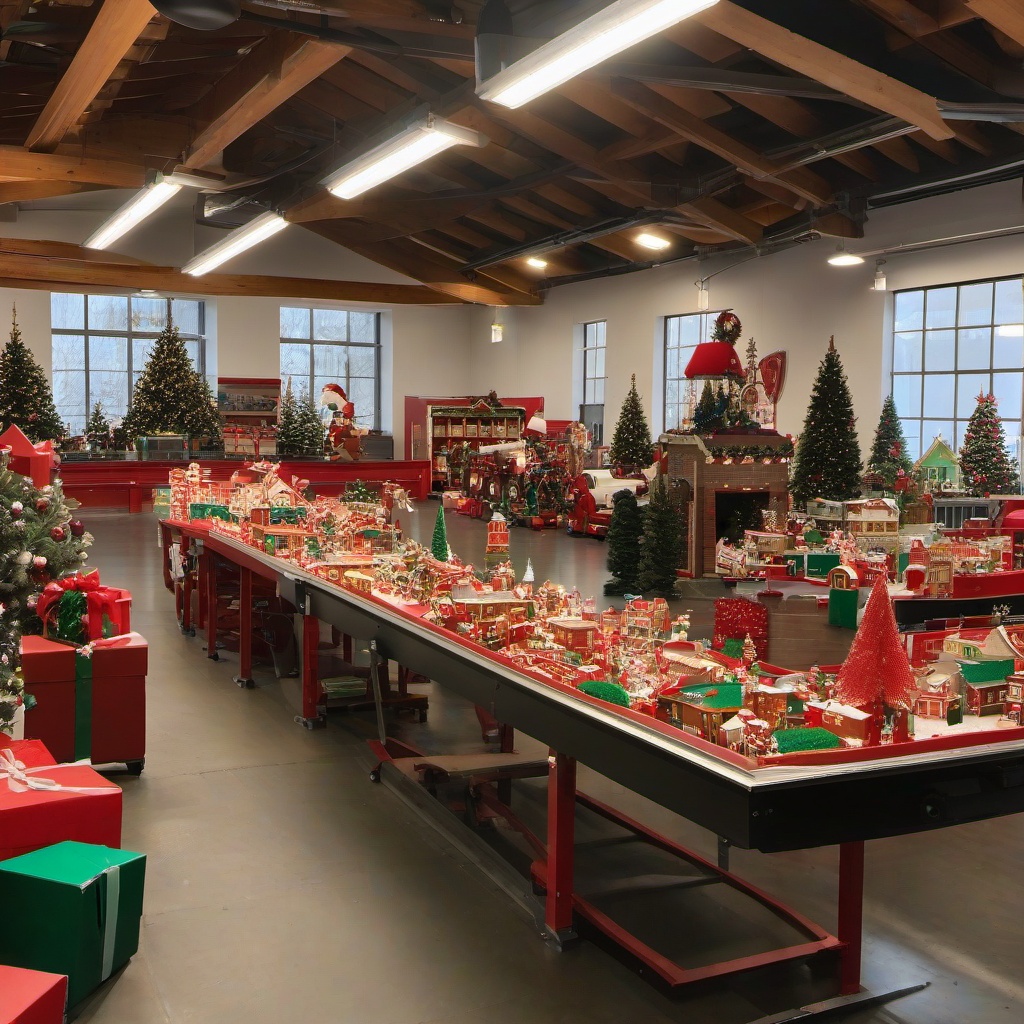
(97, 428)
(631, 448)
(706, 416)
(287, 426)
(624, 532)
(25, 395)
(439, 541)
(889, 450)
(309, 426)
(661, 546)
(170, 396)
(985, 465)
(827, 463)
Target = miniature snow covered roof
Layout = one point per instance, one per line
(836, 707)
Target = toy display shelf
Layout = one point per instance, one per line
(248, 401)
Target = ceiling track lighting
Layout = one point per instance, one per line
(617, 27)
(409, 148)
(238, 241)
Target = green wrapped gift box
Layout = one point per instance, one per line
(77, 908)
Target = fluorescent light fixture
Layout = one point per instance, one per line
(616, 28)
(134, 212)
(649, 241)
(256, 231)
(842, 258)
(703, 296)
(408, 148)
(536, 262)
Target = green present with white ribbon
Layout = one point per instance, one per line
(72, 909)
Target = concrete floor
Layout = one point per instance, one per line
(282, 886)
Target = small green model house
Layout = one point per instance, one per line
(938, 467)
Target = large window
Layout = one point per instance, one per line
(951, 343)
(683, 334)
(334, 346)
(592, 409)
(101, 343)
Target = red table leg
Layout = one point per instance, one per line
(244, 677)
(561, 840)
(851, 915)
(310, 716)
(211, 606)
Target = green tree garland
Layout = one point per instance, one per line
(631, 448)
(827, 463)
(25, 395)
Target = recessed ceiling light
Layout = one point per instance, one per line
(842, 258)
(537, 262)
(649, 241)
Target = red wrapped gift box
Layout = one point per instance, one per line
(101, 602)
(104, 720)
(33, 818)
(32, 997)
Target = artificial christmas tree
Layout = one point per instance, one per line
(25, 395)
(624, 533)
(287, 424)
(985, 466)
(97, 429)
(707, 417)
(661, 547)
(170, 396)
(631, 448)
(888, 459)
(827, 463)
(310, 428)
(439, 541)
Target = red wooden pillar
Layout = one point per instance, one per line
(561, 841)
(851, 915)
(210, 560)
(310, 673)
(244, 677)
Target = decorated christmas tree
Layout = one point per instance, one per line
(888, 452)
(25, 395)
(624, 533)
(309, 426)
(287, 425)
(827, 463)
(439, 541)
(97, 428)
(170, 396)
(631, 448)
(876, 670)
(707, 417)
(662, 543)
(985, 466)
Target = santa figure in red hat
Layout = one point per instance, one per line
(342, 433)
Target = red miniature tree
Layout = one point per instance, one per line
(876, 669)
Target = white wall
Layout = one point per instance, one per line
(425, 348)
(791, 300)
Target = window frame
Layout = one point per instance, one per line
(927, 422)
(589, 349)
(682, 402)
(312, 342)
(130, 335)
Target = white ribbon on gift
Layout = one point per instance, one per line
(22, 780)
(113, 874)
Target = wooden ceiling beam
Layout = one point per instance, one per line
(26, 191)
(83, 274)
(1005, 15)
(719, 217)
(18, 163)
(274, 73)
(801, 181)
(116, 28)
(828, 66)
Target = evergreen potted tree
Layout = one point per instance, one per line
(287, 430)
(985, 466)
(25, 395)
(661, 545)
(888, 461)
(624, 533)
(97, 429)
(309, 427)
(631, 448)
(827, 463)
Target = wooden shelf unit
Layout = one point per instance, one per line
(475, 424)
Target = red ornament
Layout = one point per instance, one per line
(77, 527)
(42, 504)
(57, 533)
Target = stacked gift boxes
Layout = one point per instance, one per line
(74, 897)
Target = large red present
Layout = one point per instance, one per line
(89, 705)
(32, 997)
(42, 802)
(90, 603)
